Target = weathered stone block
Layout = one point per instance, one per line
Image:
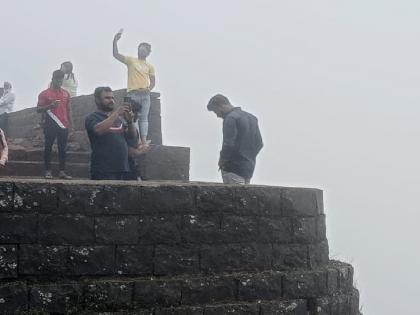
(13, 297)
(8, 261)
(35, 197)
(171, 260)
(216, 199)
(302, 202)
(304, 230)
(16, 228)
(66, 229)
(6, 196)
(201, 228)
(231, 257)
(43, 260)
(289, 256)
(167, 199)
(99, 199)
(134, 260)
(239, 228)
(318, 254)
(240, 309)
(275, 230)
(56, 298)
(305, 284)
(266, 286)
(117, 230)
(153, 292)
(258, 200)
(344, 303)
(165, 163)
(208, 290)
(160, 229)
(92, 260)
(108, 295)
(321, 228)
(345, 274)
(291, 307)
(332, 280)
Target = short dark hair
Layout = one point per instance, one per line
(58, 74)
(68, 64)
(100, 89)
(146, 44)
(217, 101)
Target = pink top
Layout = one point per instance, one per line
(4, 149)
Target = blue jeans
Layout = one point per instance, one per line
(142, 98)
(232, 178)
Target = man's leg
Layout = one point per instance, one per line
(50, 133)
(144, 116)
(62, 137)
(232, 178)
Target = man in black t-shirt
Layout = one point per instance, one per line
(108, 130)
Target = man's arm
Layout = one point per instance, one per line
(6, 99)
(44, 108)
(115, 51)
(69, 114)
(103, 127)
(44, 103)
(230, 133)
(131, 130)
(152, 82)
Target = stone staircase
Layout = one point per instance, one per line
(160, 163)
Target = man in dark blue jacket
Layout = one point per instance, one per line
(241, 141)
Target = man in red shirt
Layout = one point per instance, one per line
(55, 103)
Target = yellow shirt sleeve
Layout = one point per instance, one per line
(127, 60)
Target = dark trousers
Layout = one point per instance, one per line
(51, 132)
(132, 173)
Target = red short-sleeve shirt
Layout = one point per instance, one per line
(61, 111)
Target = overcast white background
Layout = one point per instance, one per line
(334, 84)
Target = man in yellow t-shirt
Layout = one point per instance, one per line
(141, 80)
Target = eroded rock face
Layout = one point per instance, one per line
(89, 247)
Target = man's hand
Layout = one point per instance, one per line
(54, 104)
(122, 110)
(129, 116)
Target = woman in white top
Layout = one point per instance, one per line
(4, 150)
(69, 83)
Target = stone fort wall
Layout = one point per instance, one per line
(82, 247)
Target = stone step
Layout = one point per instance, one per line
(37, 169)
(243, 294)
(160, 163)
(38, 156)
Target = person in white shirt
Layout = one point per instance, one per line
(6, 106)
(7, 100)
(70, 83)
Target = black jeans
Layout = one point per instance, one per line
(51, 132)
(132, 173)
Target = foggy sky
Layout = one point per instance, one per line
(334, 85)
